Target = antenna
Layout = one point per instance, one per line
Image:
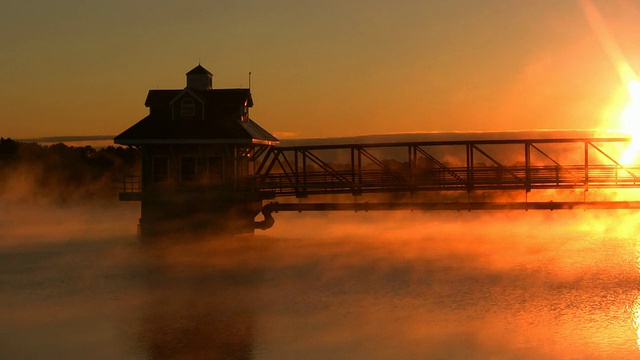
(249, 80)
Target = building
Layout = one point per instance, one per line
(197, 146)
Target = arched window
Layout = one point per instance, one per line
(187, 107)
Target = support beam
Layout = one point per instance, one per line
(269, 209)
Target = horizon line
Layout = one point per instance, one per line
(67, 138)
(79, 138)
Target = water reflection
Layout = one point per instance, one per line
(194, 307)
(338, 287)
(635, 310)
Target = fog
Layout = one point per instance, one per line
(76, 282)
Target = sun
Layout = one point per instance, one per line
(630, 123)
(630, 116)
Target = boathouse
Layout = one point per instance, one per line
(197, 146)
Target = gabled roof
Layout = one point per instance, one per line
(152, 130)
(160, 97)
(194, 93)
(214, 96)
(221, 125)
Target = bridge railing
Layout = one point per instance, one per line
(459, 178)
(441, 166)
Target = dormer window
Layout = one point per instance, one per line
(187, 107)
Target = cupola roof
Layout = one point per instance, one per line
(199, 70)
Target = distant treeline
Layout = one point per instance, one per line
(63, 173)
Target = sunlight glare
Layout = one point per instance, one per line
(630, 121)
(630, 117)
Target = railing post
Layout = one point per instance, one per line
(412, 165)
(586, 166)
(354, 183)
(527, 166)
(359, 190)
(296, 170)
(469, 147)
(304, 172)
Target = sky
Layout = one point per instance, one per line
(319, 68)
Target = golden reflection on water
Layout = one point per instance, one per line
(636, 306)
(636, 320)
(461, 286)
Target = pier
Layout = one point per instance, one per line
(207, 165)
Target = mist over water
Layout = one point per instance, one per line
(76, 283)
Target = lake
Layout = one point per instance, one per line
(76, 283)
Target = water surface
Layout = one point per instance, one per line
(553, 285)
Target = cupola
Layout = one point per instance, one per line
(200, 78)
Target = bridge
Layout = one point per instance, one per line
(449, 173)
(207, 165)
(489, 167)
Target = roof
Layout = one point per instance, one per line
(221, 125)
(214, 96)
(151, 131)
(199, 70)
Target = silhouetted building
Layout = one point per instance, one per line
(197, 145)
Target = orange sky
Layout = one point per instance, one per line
(320, 68)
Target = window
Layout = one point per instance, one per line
(245, 111)
(215, 165)
(160, 169)
(188, 168)
(245, 114)
(187, 107)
